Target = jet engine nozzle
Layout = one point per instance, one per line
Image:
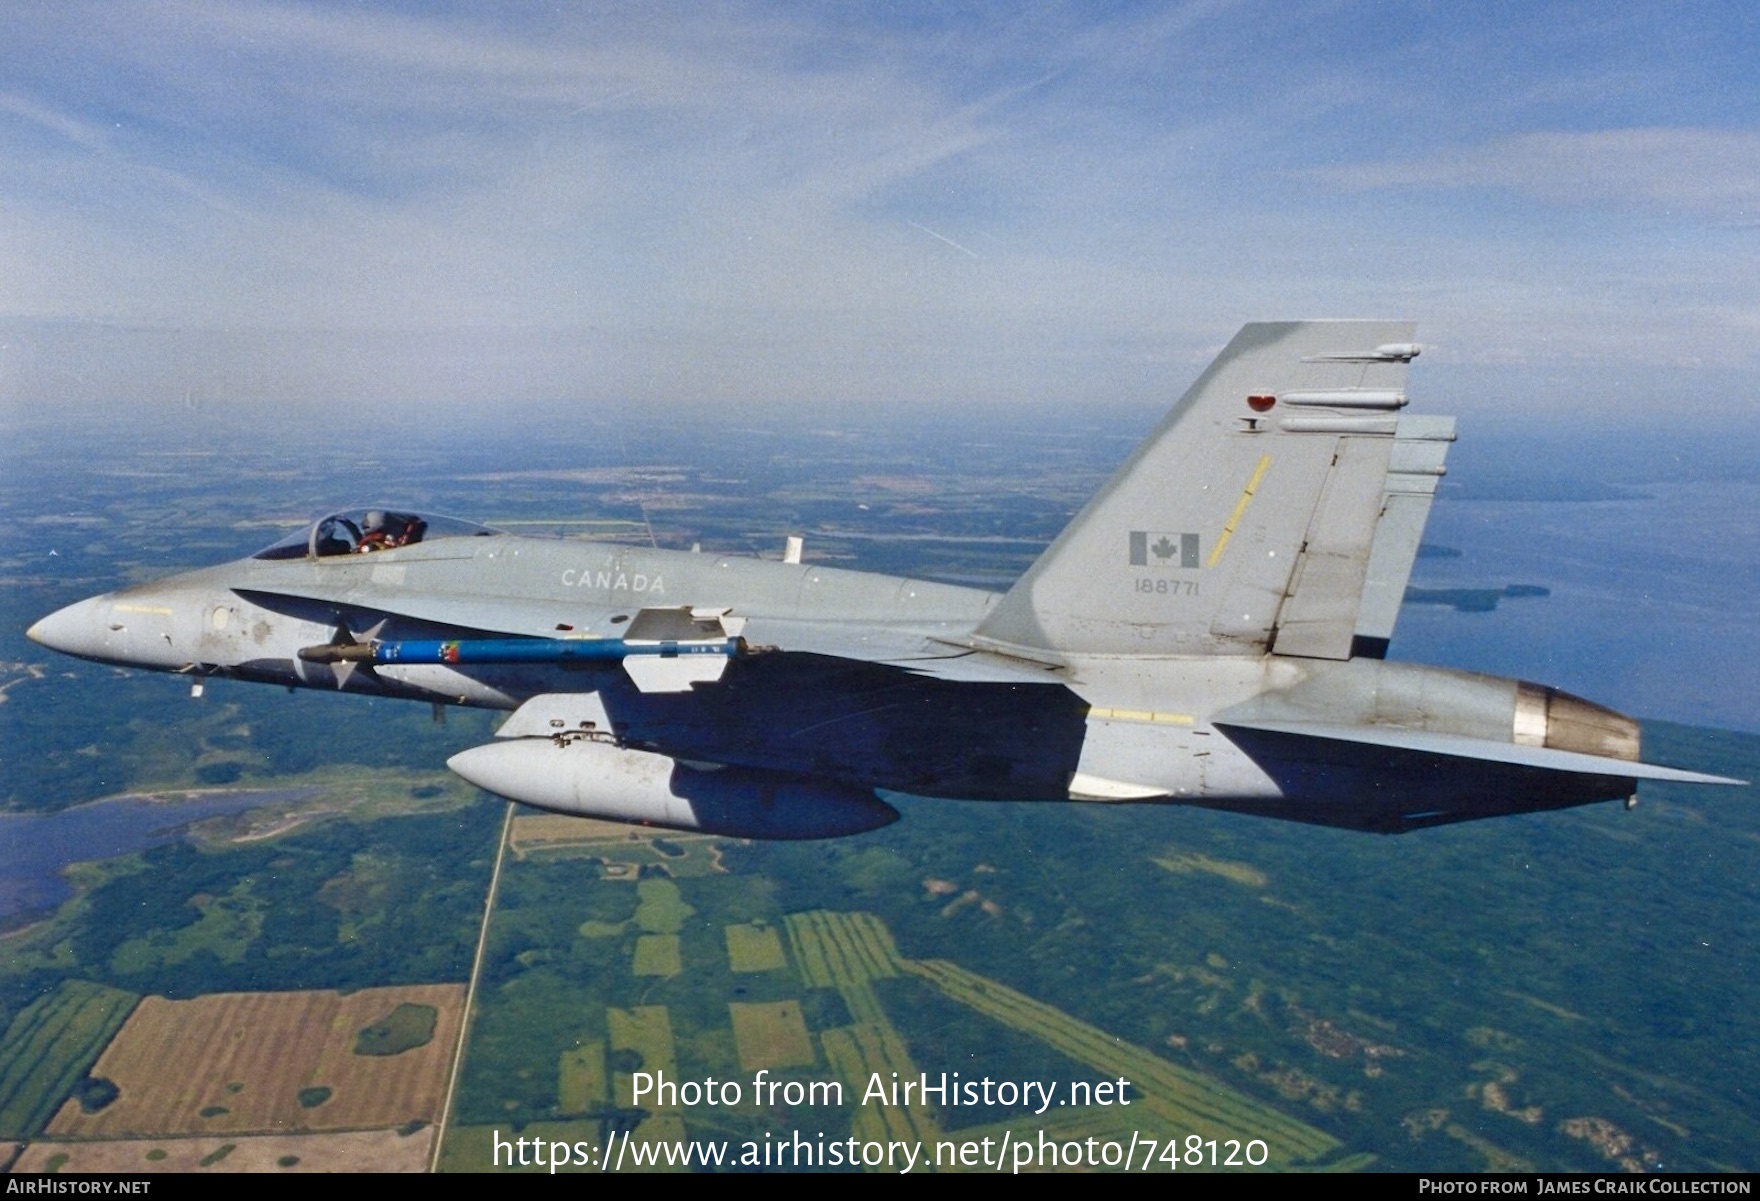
(1550, 718)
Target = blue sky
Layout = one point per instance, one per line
(847, 204)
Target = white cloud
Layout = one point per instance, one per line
(696, 203)
(1707, 173)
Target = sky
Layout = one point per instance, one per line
(476, 207)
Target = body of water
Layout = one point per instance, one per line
(36, 849)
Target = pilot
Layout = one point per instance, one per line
(383, 530)
(374, 534)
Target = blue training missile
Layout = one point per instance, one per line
(516, 650)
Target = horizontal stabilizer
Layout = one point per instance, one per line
(1459, 746)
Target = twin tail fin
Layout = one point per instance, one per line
(1277, 508)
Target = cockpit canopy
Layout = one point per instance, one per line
(364, 531)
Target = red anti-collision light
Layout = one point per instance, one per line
(1261, 404)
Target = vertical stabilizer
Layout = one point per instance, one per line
(1244, 523)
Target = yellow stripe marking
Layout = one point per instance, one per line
(143, 609)
(1239, 508)
(1165, 719)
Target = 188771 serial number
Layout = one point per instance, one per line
(1167, 587)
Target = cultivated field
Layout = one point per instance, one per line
(350, 1151)
(646, 1030)
(268, 1063)
(1183, 1100)
(49, 1045)
(663, 909)
(474, 1148)
(771, 1034)
(845, 951)
(580, 1078)
(657, 955)
(536, 831)
(848, 951)
(858, 1052)
(621, 848)
(754, 948)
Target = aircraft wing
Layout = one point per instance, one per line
(1458, 746)
(915, 647)
(498, 615)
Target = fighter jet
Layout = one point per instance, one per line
(1209, 630)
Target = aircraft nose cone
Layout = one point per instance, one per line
(79, 629)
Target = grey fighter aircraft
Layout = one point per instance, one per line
(1209, 630)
